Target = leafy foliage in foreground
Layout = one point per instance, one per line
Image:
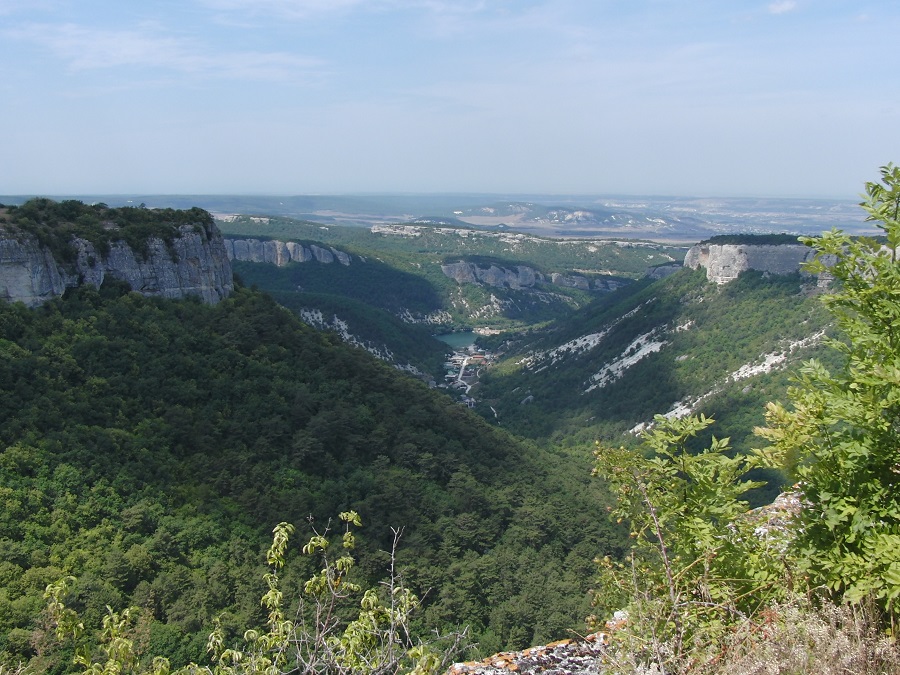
(703, 583)
(842, 431)
(148, 446)
(695, 567)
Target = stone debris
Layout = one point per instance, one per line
(563, 657)
(775, 521)
(587, 656)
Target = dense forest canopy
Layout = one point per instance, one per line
(149, 447)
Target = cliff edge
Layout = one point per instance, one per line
(724, 262)
(40, 259)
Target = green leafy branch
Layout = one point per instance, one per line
(695, 566)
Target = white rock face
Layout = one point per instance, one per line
(280, 253)
(663, 271)
(28, 273)
(199, 266)
(574, 281)
(470, 273)
(724, 262)
(321, 254)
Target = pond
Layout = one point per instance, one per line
(457, 340)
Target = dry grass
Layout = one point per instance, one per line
(788, 639)
(795, 639)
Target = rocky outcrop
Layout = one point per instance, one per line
(663, 271)
(521, 277)
(470, 273)
(584, 656)
(193, 264)
(573, 281)
(281, 253)
(724, 262)
(28, 273)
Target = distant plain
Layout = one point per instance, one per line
(656, 218)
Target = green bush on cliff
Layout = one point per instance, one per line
(55, 224)
(842, 429)
(335, 627)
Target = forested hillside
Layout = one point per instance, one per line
(677, 344)
(149, 447)
(370, 299)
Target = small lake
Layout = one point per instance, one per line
(457, 340)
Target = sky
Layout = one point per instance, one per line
(288, 97)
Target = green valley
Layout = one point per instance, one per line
(148, 446)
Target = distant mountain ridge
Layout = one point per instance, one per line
(638, 216)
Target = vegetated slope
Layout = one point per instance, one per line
(392, 314)
(409, 347)
(415, 299)
(675, 345)
(147, 447)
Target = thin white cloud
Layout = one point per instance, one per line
(8, 7)
(304, 9)
(284, 9)
(782, 6)
(85, 48)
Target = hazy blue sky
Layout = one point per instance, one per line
(693, 97)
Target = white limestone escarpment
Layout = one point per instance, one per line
(28, 273)
(465, 272)
(193, 264)
(724, 262)
(521, 276)
(280, 253)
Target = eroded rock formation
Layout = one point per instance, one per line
(518, 277)
(724, 262)
(194, 264)
(281, 253)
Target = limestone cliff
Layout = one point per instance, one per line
(724, 262)
(520, 277)
(193, 263)
(281, 253)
